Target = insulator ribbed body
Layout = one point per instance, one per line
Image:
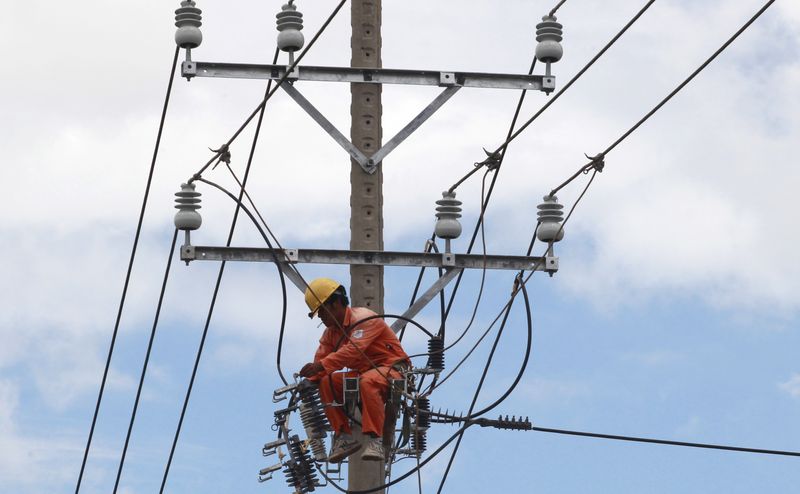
(312, 414)
(188, 21)
(436, 354)
(549, 34)
(447, 213)
(187, 203)
(299, 469)
(422, 421)
(290, 23)
(550, 217)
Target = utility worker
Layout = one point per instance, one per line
(370, 350)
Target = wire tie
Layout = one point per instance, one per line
(598, 163)
(224, 155)
(492, 161)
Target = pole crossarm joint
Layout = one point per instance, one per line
(370, 258)
(543, 83)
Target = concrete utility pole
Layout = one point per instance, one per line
(366, 195)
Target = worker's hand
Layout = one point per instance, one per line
(311, 369)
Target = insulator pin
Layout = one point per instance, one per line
(550, 217)
(436, 354)
(290, 23)
(447, 213)
(188, 202)
(188, 21)
(549, 34)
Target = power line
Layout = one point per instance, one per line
(130, 269)
(599, 158)
(668, 442)
(558, 94)
(289, 71)
(146, 360)
(216, 292)
(555, 9)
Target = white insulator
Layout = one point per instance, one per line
(549, 34)
(447, 213)
(550, 218)
(187, 203)
(290, 23)
(188, 20)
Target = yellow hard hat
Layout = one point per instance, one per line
(318, 292)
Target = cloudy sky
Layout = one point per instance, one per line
(674, 314)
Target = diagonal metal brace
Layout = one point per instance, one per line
(426, 297)
(329, 128)
(414, 124)
(369, 164)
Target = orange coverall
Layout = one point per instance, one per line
(380, 347)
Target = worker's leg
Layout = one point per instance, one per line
(373, 388)
(330, 390)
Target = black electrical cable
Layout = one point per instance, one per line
(485, 202)
(483, 379)
(559, 93)
(522, 282)
(558, 6)
(216, 292)
(130, 269)
(668, 442)
(146, 360)
(675, 91)
(278, 263)
(289, 71)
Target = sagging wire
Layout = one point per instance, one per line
(512, 137)
(129, 270)
(225, 157)
(289, 71)
(146, 360)
(518, 285)
(446, 418)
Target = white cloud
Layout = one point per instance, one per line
(792, 386)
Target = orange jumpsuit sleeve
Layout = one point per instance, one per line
(324, 349)
(352, 350)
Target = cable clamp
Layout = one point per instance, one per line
(224, 155)
(598, 163)
(492, 161)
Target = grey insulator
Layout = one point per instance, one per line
(188, 20)
(187, 204)
(549, 34)
(448, 211)
(550, 218)
(290, 23)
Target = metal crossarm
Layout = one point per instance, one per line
(369, 258)
(544, 83)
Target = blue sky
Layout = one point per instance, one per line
(674, 314)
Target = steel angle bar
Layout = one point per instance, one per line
(374, 76)
(426, 297)
(424, 115)
(329, 128)
(369, 257)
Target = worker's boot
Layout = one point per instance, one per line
(343, 446)
(373, 450)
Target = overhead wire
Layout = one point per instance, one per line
(130, 268)
(269, 95)
(668, 442)
(146, 360)
(559, 93)
(517, 286)
(598, 159)
(215, 293)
